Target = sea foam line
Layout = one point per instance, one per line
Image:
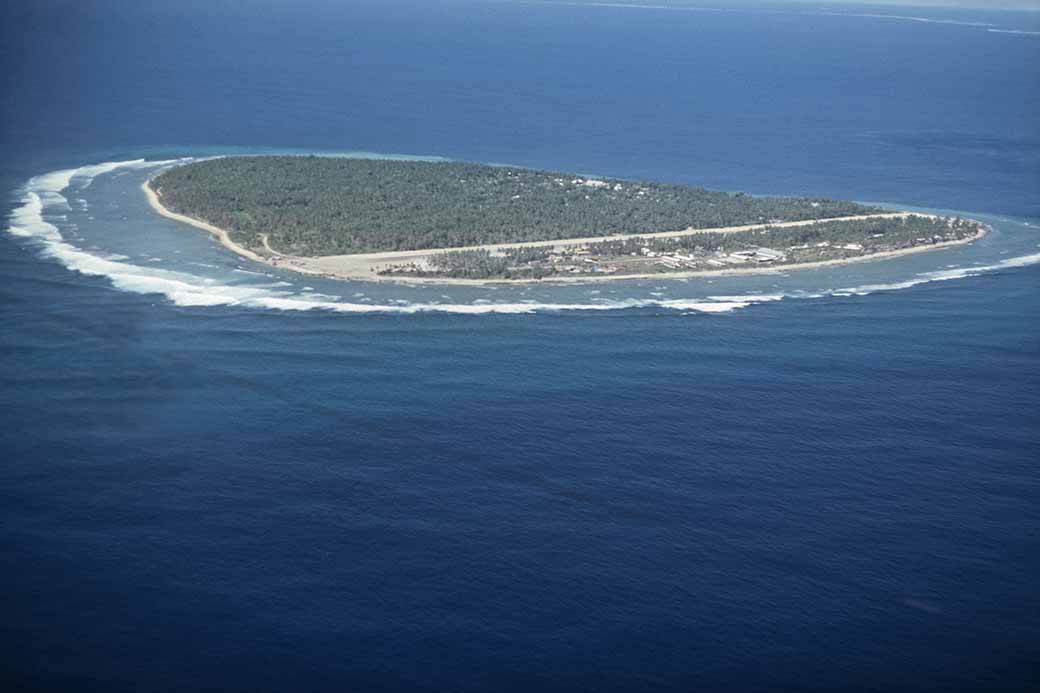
(793, 12)
(939, 276)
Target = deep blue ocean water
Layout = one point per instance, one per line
(815, 481)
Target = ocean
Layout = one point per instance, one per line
(217, 475)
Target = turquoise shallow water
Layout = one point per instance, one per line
(214, 475)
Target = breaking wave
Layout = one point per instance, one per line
(939, 276)
(43, 199)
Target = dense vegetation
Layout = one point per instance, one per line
(825, 240)
(324, 206)
(875, 235)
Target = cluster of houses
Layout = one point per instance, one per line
(680, 260)
(579, 259)
(758, 255)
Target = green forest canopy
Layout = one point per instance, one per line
(310, 205)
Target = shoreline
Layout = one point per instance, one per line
(221, 234)
(358, 267)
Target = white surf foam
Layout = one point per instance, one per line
(939, 276)
(751, 298)
(286, 303)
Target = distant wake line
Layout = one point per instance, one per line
(44, 193)
(1015, 31)
(989, 26)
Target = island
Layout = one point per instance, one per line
(408, 220)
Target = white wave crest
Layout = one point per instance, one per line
(44, 192)
(27, 220)
(939, 276)
(484, 308)
(751, 298)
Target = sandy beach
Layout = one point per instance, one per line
(222, 235)
(365, 266)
